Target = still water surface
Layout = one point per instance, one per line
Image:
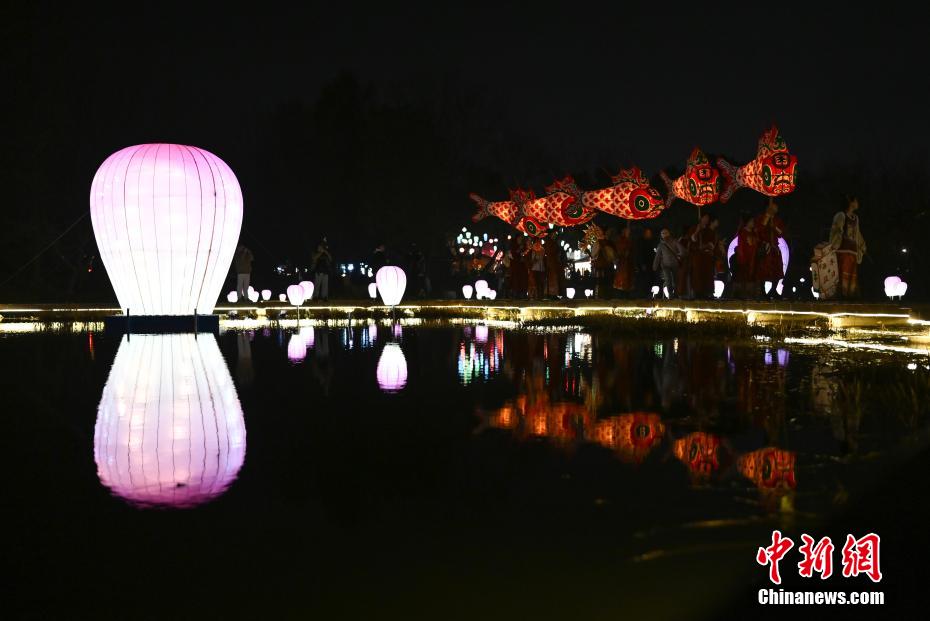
(452, 470)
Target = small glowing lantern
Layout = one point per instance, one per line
(391, 284)
(295, 294)
(768, 286)
(282, 297)
(232, 297)
(373, 290)
(492, 294)
(480, 287)
(570, 293)
(307, 286)
(466, 291)
(253, 296)
(266, 295)
(895, 287)
(392, 368)
(588, 293)
(655, 290)
(718, 288)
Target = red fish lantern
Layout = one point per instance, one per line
(532, 215)
(630, 197)
(774, 171)
(700, 185)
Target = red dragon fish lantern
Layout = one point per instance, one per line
(774, 171)
(630, 197)
(700, 185)
(769, 468)
(532, 215)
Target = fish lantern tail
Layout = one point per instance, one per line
(671, 191)
(483, 211)
(731, 182)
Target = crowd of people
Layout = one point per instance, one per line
(612, 263)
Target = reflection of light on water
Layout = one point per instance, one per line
(579, 346)
(392, 368)
(170, 430)
(479, 359)
(27, 327)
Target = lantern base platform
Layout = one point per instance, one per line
(161, 324)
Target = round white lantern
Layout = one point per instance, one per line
(570, 293)
(253, 296)
(282, 297)
(480, 287)
(166, 218)
(373, 290)
(491, 293)
(588, 292)
(232, 297)
(718, 288)
(295, 294)
(266, 294)
(391, 284)
(466, 291)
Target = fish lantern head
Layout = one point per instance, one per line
(644, 198)
(779, 173)
(778, 170)
(704, 181)
(643, 431)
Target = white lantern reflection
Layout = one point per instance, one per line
(392, 368)
(170, 430)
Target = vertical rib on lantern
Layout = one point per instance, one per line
(167, 219)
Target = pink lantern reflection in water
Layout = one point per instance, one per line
(170, 430)
(392, 368)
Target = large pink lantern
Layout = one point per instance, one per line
(392, 368)
(166, 218)
(391, 284)
(170, 430)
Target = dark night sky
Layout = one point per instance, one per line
(593, 85)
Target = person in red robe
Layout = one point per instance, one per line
(744, 261)
(768, 261)
(623, 247)
(702, 243)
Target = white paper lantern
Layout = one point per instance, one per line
(166, 218)
(307, 286)
(816, 294)
(480, 287)
(655, 290)
(391, 284)
(588, 292)
(901, 289)
(373, 290)
(392, 368)
(282, 297)
(253, 296)
(570, 293)
(250, 289)
(295, 293)
(718, 288)
(266, 294)
(780, 286)
(492, 293)
(467, 291)
(891, 286)
(767, 286)
(170, 430)
(232, 297)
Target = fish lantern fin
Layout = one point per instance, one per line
(483, 210)
(731, 182)
(671, 190)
